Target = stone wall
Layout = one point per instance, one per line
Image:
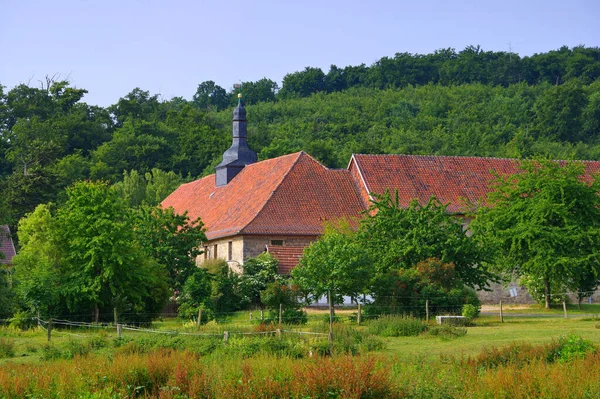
(235, 259)
(255, 245)
(245, 247)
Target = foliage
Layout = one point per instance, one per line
(279, 293)
(544, 223)
(196, 294)
(571, 347)
(470, 311)
(37, 265)
(224, 293)
(7, 348)
(335, 262)
(398, 238)
(104, 264)
(430, 283)
(170, 239)
(396, 326)
(258, 273)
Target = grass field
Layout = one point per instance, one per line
(93, 363)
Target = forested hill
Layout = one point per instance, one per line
(447, 103)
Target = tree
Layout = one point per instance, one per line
(335, 264)
(399, 238)
(544, 224)
(258, 273)
(172, 240)
(105, 267)
(303, 83)
(210, 95)
(37, 265)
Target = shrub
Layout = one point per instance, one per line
(447, 331)
(50, 352)
(22, 320)
(396, 326)
(7, 348)
(470, 311)
(572, 347)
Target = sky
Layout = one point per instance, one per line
(168, 47)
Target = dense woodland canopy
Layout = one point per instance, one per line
(471, 102)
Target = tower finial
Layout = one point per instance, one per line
(239, 98)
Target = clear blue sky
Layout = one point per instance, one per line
(168, 47)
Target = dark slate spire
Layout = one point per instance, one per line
(239, 154)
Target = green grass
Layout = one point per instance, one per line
(30, 346)
(488, 332)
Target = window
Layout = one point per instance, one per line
(205, 252)
(277, 242)
(229, 250)
(215, 254)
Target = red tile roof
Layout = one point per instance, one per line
(450, 179)
(292, 195)
(6, 245)
(288, 256)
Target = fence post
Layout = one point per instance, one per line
(250, 316)
(501, 315)
(49, 330)
(199, 317)
(427, 310)
(565, 308)
(329, 299)
(119, 328)
(278, 332)
(358, 317)
(280, 314)
(262, 315)
(225, 336)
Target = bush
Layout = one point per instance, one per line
(572, 347)
(396, 326)
(470, 311)
(22, 320)
(50, 352)
(7, 348)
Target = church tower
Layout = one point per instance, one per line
(239, 154)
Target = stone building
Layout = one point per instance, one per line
(279, 205)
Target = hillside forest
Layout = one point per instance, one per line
(472, 102)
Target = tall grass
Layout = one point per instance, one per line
(512, 372)
(396, 326)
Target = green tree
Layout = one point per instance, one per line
(336, 264)
(37, 265)
(544, 224)
(172, 240)
(399, 238)
(303, 83)
(105, 267)
(210, 95)
(258, 273)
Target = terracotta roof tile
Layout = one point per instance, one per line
(450, 179)
(288, 256)
(292, 194)
(6, 245)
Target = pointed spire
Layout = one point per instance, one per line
(239, 154)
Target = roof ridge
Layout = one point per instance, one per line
(471, 157)
(273, 192)
(443, 156)
(362, 178)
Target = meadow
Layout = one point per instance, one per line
(544, 355)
